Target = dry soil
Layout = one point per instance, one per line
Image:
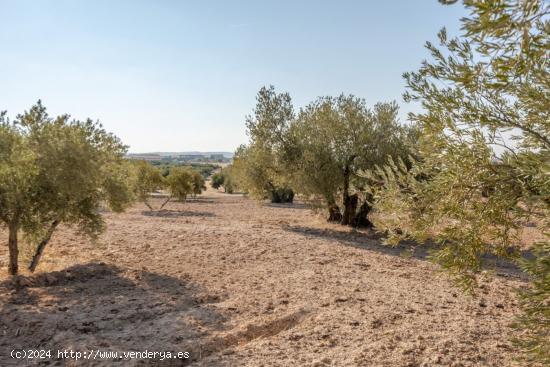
(238, 283)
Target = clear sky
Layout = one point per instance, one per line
(181, 75)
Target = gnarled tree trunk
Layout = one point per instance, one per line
(350, 209)
(361, 218)
(334, 214)
(349, 201)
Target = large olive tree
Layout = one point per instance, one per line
(336, 139)
(53, 171)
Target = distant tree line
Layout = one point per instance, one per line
(205, 169)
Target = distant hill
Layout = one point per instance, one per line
(182, 157)
(176, 154)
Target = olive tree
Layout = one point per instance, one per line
(198, 183)
(53, 171)
(337, 139)
(484, 149)
(147, 180)
(180, 183)
(217, 180)
(258, 166)
(229, 184)
(224, 178)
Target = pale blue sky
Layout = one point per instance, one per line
(181, 75)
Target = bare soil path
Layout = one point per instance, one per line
(237, 283)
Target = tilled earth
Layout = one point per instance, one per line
(237, 283)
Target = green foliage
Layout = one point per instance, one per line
(336, 139)
(282, 195)
(205, 169)
(217, 180)
(535, 302)
(57, 170)
(147, 180)
(224, 178)
(198, 183)
(320, 151)
(484, 151)
(256, 173)
(229, 183)
(180, 182)
(259, 167)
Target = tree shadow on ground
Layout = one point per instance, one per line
(97, 306)
(171, 213)
(189, 199)
(370, 240)
(288, 205)
(200, 199)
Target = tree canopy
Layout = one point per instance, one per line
(180, 183)
(147, 179)
(336, 139)
(258, 166)
(224, 178)
(53, 171)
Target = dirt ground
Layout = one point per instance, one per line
(237, 283)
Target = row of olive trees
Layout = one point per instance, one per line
(320, 151)
(179, 183)
(484, 166)
(469, 175)
(60, 170)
